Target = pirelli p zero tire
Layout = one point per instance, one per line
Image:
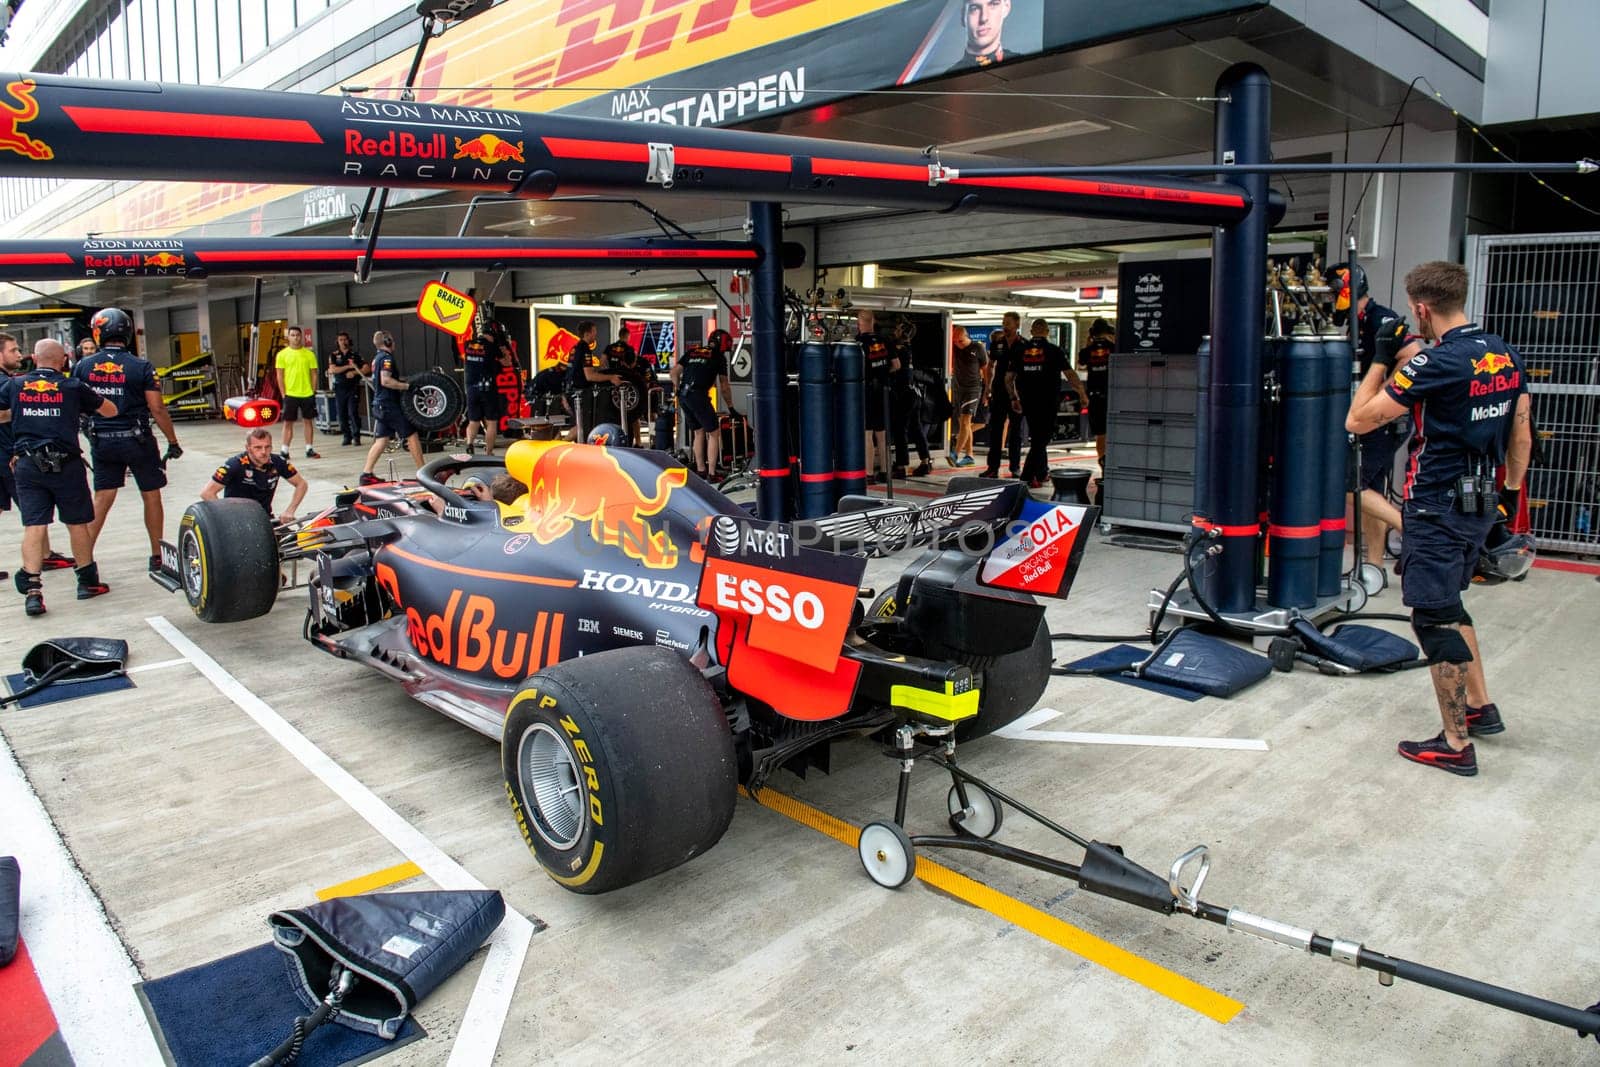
(618, 766)
(228, 560)
(433, 401)
(1012, 684)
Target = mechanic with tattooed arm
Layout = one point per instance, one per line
(1469, 404)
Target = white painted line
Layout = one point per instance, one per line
(81, 962)
(485, 1016)
(1022, 730)
(160, 666)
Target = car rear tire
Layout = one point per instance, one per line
(228, 560)
(618, 766)
(433, 401)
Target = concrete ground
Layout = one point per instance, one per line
(191, 824)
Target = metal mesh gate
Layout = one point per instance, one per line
(1541, 292)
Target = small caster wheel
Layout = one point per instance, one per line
(1374, 579)
(1393, 541)
(1355, 598)
(887, 854)
(983, 815)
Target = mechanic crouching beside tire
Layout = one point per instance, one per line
(43, 409)
(254, 475)
(1471, 415)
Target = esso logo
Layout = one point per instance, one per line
(754, 598)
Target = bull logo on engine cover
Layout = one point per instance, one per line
(570, 483)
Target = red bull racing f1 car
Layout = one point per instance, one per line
(640, 643)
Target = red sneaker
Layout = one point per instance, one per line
(1436, 752)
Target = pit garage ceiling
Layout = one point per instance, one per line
(1126, 101)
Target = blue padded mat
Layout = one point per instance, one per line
(65, 690)
(238, 1008)
(1126, 656)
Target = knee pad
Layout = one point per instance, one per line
(1438, 633)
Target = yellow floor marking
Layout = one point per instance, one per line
(368, 882)
(1190, 994)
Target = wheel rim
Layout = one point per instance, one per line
(430, 401)
(1373, 578)
(189, 564)
(884, 855)
(552, 785)
(984, 818)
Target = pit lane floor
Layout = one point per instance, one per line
(191, 823)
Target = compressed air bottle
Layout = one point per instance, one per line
(817, 495)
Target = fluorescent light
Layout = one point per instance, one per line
(869, 275)
(569, 298)
(948, 305)
(1075, 128)
(1050, 294)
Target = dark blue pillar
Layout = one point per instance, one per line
(1238, 293)
(772, 449)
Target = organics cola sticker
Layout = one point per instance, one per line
(1038, 557)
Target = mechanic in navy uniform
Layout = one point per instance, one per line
(701, 367)
(1468, 399)
(623, 359)
(254, 474)
(1383, 336)
(43, 408)
(580, 392)
(485, 404)
(879, 364)
(1033, 384)
(1005, 348)
(346, 371)
(122, 442)
(1094, 360)
(388, 417)
(905, 410)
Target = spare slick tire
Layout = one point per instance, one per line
(1010, 684)
(432, 400)
(618, 766)
(228, 560)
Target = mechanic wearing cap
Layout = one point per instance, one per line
(1094, 360)
(10, 367)
(389, 418)
(346, 370)
(623, 358)
(1469, 405)
(43, 408)
(1005, 421)
(122, 442)
(1385, 341)
(297, 384)
(1033, 385)
(699, 368)
(484, 402)
(254, 475)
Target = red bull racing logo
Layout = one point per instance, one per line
(487, 148)
(38, 387)
(107, 367)
(163, 259)
(12, 116)
(570, 483)
(1491, 363)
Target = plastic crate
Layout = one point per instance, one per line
(1154, 384)
(1136, 497)
(1162, 444)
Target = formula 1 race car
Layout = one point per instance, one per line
(639, 642)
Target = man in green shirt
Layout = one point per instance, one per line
(297, 382)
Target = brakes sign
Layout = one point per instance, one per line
(443, 308)
(799, 604)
